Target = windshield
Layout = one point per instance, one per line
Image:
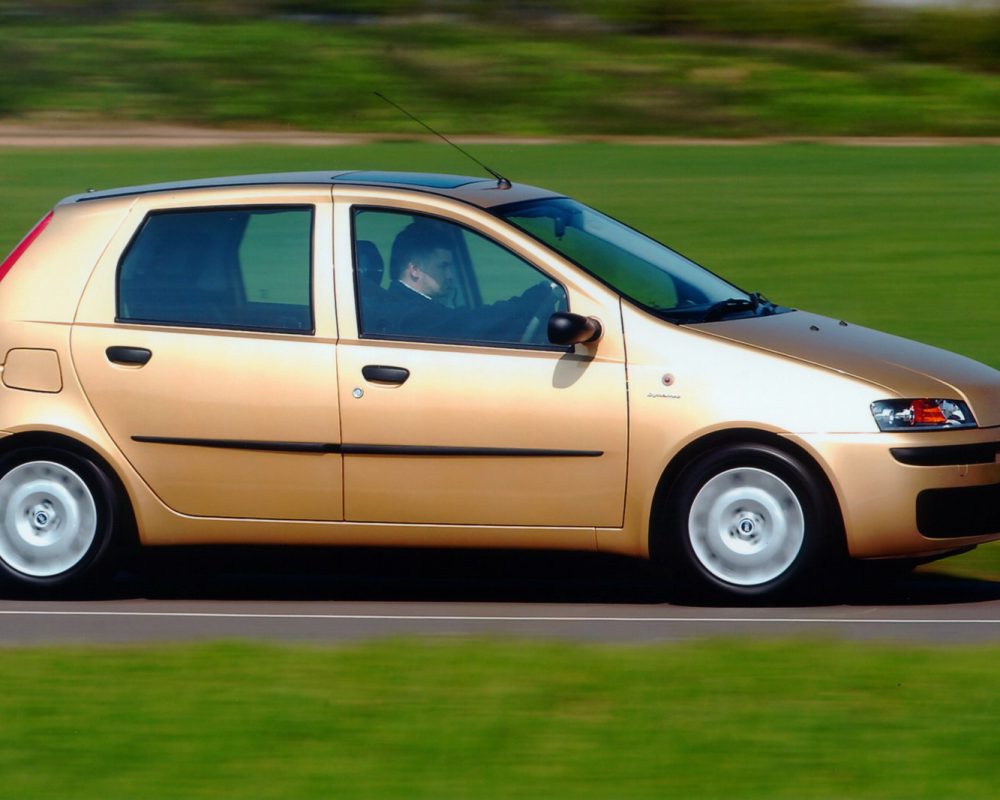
(641, 269)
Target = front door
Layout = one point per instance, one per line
(454, 407)
(201, 348)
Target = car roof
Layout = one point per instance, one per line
(482, 192)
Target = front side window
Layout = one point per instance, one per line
(242, 268)
(425, 278)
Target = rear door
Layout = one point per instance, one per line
(206, 344)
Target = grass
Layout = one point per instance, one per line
(488, 719)
(983, 563)
(479, 77)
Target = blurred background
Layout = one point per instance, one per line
(688, 68)
(836, 155)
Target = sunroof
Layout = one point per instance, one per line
(428, 179)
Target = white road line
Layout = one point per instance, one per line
(489, 618)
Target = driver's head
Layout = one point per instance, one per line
(422, 259)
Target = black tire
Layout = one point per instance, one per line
(61, 522)
(748, 521)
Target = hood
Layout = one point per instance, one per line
(903, 367)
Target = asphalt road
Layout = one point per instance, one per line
(335, 596)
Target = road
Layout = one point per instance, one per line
(337, 596)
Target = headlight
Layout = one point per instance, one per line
(925, 415)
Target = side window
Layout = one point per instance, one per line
(244, 268)
(421, 277)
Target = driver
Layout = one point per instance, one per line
(422, 270)
(421, 265)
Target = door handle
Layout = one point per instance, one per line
(380, 374)
(128, 355)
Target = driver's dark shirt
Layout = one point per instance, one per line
(403, 311)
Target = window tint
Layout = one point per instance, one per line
(422, 277)
(245, 268)
(638, 267)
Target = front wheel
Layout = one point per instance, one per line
(746, 521)
(57, 517)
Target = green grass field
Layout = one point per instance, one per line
(479, 719)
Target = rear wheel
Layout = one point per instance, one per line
(58, 513)
(746, 521)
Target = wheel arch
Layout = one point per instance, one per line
(739, 436)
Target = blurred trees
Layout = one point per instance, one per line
(966, 35)
(526, 67)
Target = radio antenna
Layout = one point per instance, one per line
(502, 182)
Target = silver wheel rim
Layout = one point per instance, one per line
(746, 526)
(49, 519)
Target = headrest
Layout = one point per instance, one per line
(369, 260)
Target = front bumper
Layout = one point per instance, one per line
(897, 497)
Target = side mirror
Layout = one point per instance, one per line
(566, 329)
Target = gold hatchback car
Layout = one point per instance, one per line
(397, 359)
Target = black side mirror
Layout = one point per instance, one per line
(566, 328)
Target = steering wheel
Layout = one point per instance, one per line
(542, 312)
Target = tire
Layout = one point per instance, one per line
(748, 521)
(58, 518)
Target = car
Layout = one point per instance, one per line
(363, 358)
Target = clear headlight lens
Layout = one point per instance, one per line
(922, 414)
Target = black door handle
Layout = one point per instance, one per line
(380, 374)
(129, 355)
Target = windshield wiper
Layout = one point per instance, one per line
(733, 305)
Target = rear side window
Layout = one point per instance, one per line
(243, 268)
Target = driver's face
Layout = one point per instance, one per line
(437, 277)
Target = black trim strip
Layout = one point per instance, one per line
(368, 449)
(429, 450)
(243, 444)
(947, 455)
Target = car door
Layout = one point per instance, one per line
(206, 345)
(472, 419)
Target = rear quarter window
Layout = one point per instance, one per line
(242, 268)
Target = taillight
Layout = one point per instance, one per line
(18, 251)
